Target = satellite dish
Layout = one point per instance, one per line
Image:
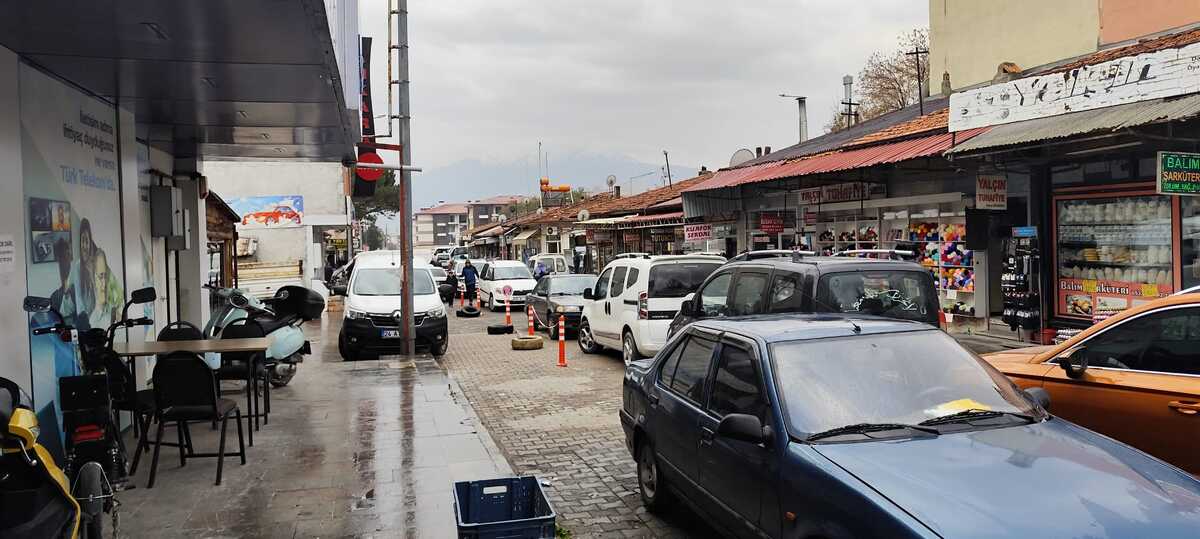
(551, 231)
(610, 181)
(502, 218)
(740, 156)
(584, 215)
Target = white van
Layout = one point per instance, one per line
(634, 300)
(371, 321)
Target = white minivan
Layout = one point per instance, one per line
(374, 297)
(634, 300)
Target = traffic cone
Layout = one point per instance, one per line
(507, 313)
(462, 298)
(529, 311)
(562, 341)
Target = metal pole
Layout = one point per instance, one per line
(916, 53)
(406, 237)
(668, 158)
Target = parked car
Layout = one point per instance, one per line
(1134, 376)
(840, 426)
(374, 297)
(633, 301)
(559, 295)
(554, 263)
(787, 282)
(494, 276)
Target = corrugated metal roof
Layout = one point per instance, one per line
(836, 161)
(1109, 119)
(677, 201)
(677, 215)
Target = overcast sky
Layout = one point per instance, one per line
(700, 78)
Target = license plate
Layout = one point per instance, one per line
(389, 333)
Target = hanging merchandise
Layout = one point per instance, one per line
(1019, 281)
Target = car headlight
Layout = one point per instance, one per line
(436, 312)
(567, 308)
(355, 315)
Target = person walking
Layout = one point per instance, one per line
(470, 274)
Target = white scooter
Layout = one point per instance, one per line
(280, 317)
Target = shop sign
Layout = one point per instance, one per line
(632, 237)
(697, 232)
(770, 223)
(991, 192)
(8, 254)
(1153, 75)
(842, 192)
(1024, 232)
(810, 217)
(1178, 173)
(1082, 298)
(600, 235)
(723, 231)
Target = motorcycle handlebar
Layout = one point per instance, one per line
(44, 331)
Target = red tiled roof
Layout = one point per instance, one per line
(1170, 41)
(837, 160)
(921, 124)
(646, 199)
(444, 209)
(565, 213)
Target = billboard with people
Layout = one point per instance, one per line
(73, 222)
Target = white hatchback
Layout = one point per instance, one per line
(634, 300)
(501, 280)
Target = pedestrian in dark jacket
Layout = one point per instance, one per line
(470, 274)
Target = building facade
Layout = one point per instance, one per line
(444, 224)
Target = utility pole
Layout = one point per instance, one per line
(801, 104)
(406, 237)
(668, 158)
(848, 87)
(916, 54)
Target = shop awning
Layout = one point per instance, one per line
(602, 221)
(483, 241)
(1105, 120)
(653, 220)
(524, 236)
(837, 161)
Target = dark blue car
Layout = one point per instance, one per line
(830, 426)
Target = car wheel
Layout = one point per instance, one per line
(552, 326)
(655, 495)
(492, 302)
(344, 349)
(586, 342)
(629, 350)
(439, 350)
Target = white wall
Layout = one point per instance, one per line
(14, 336)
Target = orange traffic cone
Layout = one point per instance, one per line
(462, 298)
(562, 341)
(529, 311)
(507, 313)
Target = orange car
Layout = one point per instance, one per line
(272, 216)
(1134, 377)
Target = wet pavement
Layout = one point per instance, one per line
(364, 449)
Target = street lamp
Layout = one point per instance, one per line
(801, 105)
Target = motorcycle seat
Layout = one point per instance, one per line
(270, 324)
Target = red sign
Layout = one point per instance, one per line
(770, 223)
(369, 174)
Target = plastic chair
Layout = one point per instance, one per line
(185, 389)
(247, 366)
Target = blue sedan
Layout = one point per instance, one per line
(832, 426)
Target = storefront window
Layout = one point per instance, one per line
(1112, 253)
(1190, 244)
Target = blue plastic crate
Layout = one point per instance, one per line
(508, 508)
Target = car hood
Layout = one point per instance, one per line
(576, 301)
(390, 304)
(1049, 479)
(1017, 355)
(516, 284)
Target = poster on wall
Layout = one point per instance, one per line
(1083, 298)
(69, 164)
(273, 211)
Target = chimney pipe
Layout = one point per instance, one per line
(802, 103)
(766, 150)
(616, 191)
(758, 151)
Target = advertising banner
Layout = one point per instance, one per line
(274, 211)
(697, 232)
(991, 192)
(1081, 298)
(73, 221)
(770, 223)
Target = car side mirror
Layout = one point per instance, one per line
(587, 294)
(744, 427)
(686, 308)
(339, 290)
(1074, 362)
(1040, 396)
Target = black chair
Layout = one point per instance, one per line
(249, 367)
(185, 389)
(180, 330)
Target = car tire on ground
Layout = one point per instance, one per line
(629, 349)
(344, 349)
(656, 497)
(587, 342)
(526, 342)
(439, 350)
(467, 312)
(499, 329)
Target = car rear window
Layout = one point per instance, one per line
(906, 294)
(678, 279)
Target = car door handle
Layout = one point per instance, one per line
(630, 302)
(706, 436)
(1185, 407)
(652, 398)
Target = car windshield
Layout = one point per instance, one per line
(512, 272)
(572, 285)
(386, 282)
(890, 378)
(675, 280)
(892, 293)
(438, 273)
